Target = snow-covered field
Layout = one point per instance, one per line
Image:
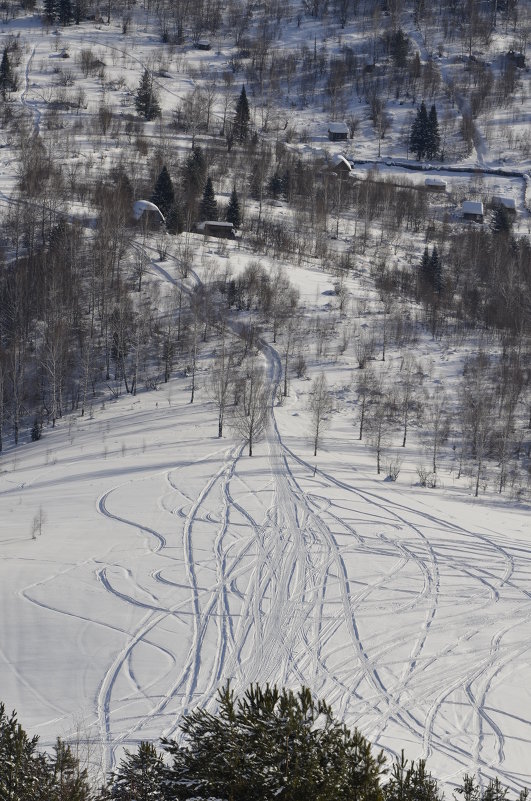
(169, 562)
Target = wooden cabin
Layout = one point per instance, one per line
(472, 210)
(221, 229)
(338, 131)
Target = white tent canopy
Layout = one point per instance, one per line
(140, 206)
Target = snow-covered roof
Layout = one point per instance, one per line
(472, 207)
(341, 161)
(338, 127)
(140, 206)
(435, 182)
(214, 224)
(507, 202)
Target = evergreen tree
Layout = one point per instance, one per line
(50, 10)
(399, 47)
(418, 139)
(64, 12)
(208, 208)
(435, 270)
(268, 745)
(68, 781)
(163, 193)
(502, 222)
(431, 270)
(240, 128)
(275, 185)
(425, 266)
(139, 776)
(7, 79)
(175, 219)
(433, 138)
(146, 101)
(233, 214)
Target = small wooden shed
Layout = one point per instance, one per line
(340, 166)
(221, 229)
(435, 184)
(472, 210)
(507, 203)
(337, 131)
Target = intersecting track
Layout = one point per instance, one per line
(267, 569)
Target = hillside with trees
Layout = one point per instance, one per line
(265, 381)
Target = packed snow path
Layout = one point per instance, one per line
(200, 565)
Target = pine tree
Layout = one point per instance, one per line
(435, 270)
(139, 776)
(50, 10)
(502, 222)
(208, 208)
(146, 101)
(69, 782)
(64, 12)
(275, 185)
(419, 133)
(233, 214)
(425, 266)
(175, 219)
(163, 193)
(7, 80)
(271, 743)
(433, 138)
(240, 128)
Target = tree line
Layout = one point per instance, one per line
(269, 743)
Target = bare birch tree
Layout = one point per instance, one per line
(320, 405)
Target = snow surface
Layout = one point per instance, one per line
(169, 562)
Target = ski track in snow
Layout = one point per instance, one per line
(307, 579)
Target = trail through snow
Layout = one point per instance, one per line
(208, 566)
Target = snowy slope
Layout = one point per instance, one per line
(170, 562)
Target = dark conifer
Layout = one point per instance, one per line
(233, 214)
(275, 185)
(64, 12)
(139, 776)
(7, 80)
(50, 10)
(163, 193)
(175, 219)
(435, 270)
(433, 138)
(240, 128)
(146, 101)
(208, 208)
(419, 133)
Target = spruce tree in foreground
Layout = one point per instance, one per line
(233, 214)
(208, 208)
(163, 193)
(272, 744)
(139, 776)
(146, 101)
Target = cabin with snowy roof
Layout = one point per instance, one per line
(223, 230)
(507, 203)
(340, 166)
(434, 184)
(472, 210)
(337, 131)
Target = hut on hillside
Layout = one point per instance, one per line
(472, 210)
